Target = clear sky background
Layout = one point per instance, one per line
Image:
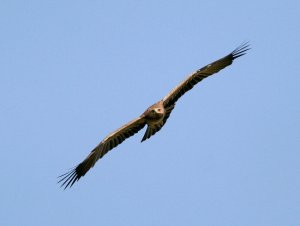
(73, 71)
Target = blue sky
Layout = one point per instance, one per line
(73, 71)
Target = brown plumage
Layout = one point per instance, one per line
(154, 117)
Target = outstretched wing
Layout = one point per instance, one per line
(108, 143)
(202, 73)
(152, 129)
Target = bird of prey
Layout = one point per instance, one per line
(154, 117)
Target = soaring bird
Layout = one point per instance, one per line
(154, 117)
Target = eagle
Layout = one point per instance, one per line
(155, 117)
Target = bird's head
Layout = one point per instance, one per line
(155, 113)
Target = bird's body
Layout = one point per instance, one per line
(154, 114)
(154, 117)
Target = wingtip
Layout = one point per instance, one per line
(68, 179)
(241, 50)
